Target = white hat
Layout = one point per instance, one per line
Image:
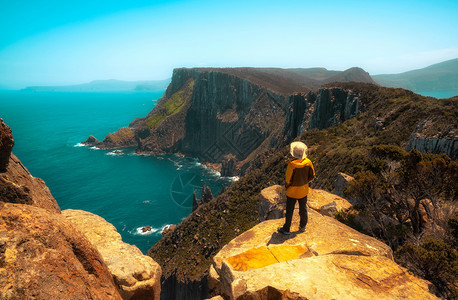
(298, 150)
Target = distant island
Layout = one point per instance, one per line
(111, 85)
(438, 77)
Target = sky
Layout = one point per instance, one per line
(70, 42)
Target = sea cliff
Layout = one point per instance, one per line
(219, 115)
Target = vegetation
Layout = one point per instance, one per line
(171, 106)
(120, 137)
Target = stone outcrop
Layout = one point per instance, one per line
(328, 261)
(272, 202)
(206, 196)
(17, 185)
(137, 275)
(91, 140)
(43, 257)
(341, 183)
(426, 139)
(228, 166)
(6, 145)
(320, 199)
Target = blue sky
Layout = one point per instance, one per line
(68, 42)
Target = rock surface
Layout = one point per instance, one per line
(319, 198)
(17, 185)
(272, 202)
(6, 145)
(91, 140)
(328, 261)
(137, 275)
(341, 183)
(425, 142)
(43, 257)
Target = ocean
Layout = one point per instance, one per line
(130, 191)
(438, 94)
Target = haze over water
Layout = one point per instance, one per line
(130, 191)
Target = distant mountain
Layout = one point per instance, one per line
(438, 77)
(111, 85)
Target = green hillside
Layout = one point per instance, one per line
(437, 77)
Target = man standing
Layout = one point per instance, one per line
(299, 173)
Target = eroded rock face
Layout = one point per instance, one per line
(137, 275)
(328, 261)
(6, 145)
(17, 185)
(43, 257)
(423, 141)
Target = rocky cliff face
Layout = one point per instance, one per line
(43, 257)
(427, 139)
(216, 114)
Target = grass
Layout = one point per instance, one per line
(171, 106)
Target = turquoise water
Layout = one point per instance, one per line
(130, 191)
(439, 94)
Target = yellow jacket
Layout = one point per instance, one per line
(299, 173)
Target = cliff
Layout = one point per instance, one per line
(216, 114)
(186, 254)
(43, 255)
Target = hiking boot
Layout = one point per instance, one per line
(302, 229)
(282, 231)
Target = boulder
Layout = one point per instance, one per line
(6, 145)
(17, 185)
(137, 275)
(272, 203)
(318, 199)
(91, 140)
(341, 183)
(329, 261)
(43, 257)
(329, 209)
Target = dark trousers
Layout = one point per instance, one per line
(290, 203)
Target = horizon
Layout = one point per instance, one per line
(53, 43)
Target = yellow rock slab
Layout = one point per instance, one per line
(263, 256)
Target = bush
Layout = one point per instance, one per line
(435, 261)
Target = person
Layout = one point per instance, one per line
(299, 173)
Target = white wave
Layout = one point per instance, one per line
(95, 148)
(165, 226)
(139, 231)
(80, 145)
(115, 153)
